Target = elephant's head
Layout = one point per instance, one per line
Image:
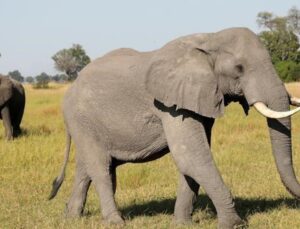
(6, 89)
(204, 72)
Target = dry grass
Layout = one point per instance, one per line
(294, 89)
(146, 192)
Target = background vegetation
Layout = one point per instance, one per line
(71, 61)
(146, 192)
(281, 38)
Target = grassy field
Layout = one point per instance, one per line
(146, 192)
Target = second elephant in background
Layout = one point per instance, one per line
(12, 104)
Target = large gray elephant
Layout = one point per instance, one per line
(130, 106)
(12, 103)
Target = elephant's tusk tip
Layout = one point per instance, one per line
(295, 101)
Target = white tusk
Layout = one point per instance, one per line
(267, 112)
(295, 101)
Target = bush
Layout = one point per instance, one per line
(288, 71)
(42, 81)
(40, 85)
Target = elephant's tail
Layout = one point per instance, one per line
(59, 180)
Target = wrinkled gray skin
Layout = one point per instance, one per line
(12, 103)
(130, 106)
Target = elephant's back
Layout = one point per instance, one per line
(117, 72)
(119, 62)
(110, 96)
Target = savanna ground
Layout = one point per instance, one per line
(146, 192)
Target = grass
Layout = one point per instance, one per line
(294, 88)
(146, 192)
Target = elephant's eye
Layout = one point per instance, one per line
(239, 68)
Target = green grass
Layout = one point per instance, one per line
(146, 192)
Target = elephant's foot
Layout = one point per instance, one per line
(114, 218)
(9, 138)
(182, 219)
(73, 212)
(16, 131)
(231, 221)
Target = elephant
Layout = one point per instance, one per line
(131, 106)
(12, 103)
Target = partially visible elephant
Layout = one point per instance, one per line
(12, 103)
(131, 106)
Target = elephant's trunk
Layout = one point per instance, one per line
(280, 134)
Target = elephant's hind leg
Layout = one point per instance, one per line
(81, 186)
(5, 113)
(16, 120)
(92, 153)
(186, 196)
(104, 181)
(99, 168)
(16, 131)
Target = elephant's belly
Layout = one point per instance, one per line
(139, 139)
(140, 147)
(123, 121)
(149, 153)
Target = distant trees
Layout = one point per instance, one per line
(282, 42)
(39, 81)
(282, 45)
(16, 75)
(71, 61)
(42, 80)
(59, 78)
(29, 79)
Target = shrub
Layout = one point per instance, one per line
(288, 71)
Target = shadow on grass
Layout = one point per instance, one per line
(245, 207)
(41, 130)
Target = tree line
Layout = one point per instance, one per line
(68, 61)
(16, 75)
(280, 35)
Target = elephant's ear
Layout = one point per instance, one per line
(5, 89)
(184, 77)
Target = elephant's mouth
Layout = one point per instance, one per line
(241, 99)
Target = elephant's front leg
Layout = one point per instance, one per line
(7, 123)
(189, 146)
(188, 188)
